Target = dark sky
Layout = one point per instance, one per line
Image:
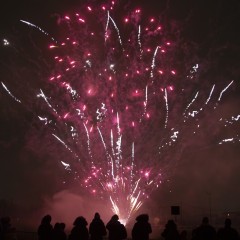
(29, 180)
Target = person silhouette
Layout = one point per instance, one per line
(204, 232)
(45, 229)
(142, 228)
(58, 231)
(170, 232)
(6, 229)
(117, 231)
(79, 231)
(97, 228)
(227, 232)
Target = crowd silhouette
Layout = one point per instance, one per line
(115, 230)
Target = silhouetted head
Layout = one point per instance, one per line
(62, 226)
(171, 224)
(97, 215)
(115, 217)
(57, 226)
(142, 218)
(228, 222)
(205, 221)
(46, 219)
(80, 221)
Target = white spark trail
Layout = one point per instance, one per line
(225, 89)
(118, 32)
(166, 102)
(45, 99)
(66, 146)
(210, 95)
(153, 62)
(139, 41)
(107, 153)
(16, 99)
(88, 141)
(189, 105)
(40, 29)
(108, 16)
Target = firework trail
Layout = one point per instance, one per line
(117, 105)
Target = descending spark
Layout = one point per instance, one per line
(153, 62)
(232, 140)
(37, 27)
(65, 145)
(189, 105)
(118, 32)
(224, 90)
(16, 99)
(210, 95)
(66, 166)
(41, 94)
(88, 141)
(166, 103)
(139, 40)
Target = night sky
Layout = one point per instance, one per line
(204, 176)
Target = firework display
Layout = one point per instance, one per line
(122, 101)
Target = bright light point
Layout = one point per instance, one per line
(160, 71)
(163, 51)
(168, 43)
(52, 46)
(94, 191)
(111, 66)
(170, 88)
(67, 17)
(126, 20)
(74, 43)
(126, 108)
(137, 11)
(89, 91)
(81, 20)
(112, 95)
(59, 76)
(5, 42)
(146, 174)
(173, 72)
(89, 8)
(52, 78)
(103, 8)
(148, 115)
(91, 129)
(159, 28)
(110, 78)
(133, 124)
(152, 20)
(66, 115)
(148, 50)
(162, 90)
(63, 44)
(72, 62)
